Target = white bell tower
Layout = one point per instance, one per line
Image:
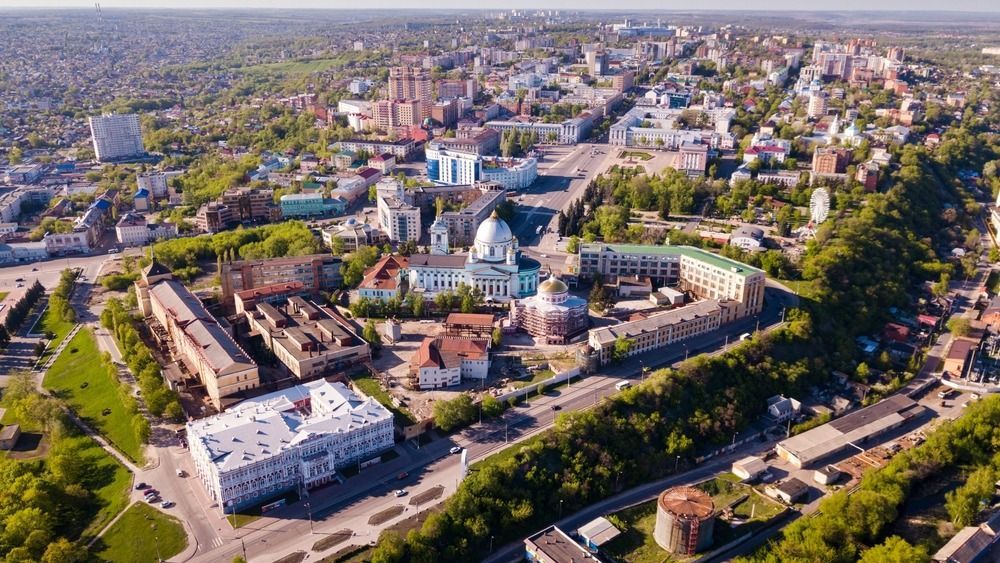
(439, 237)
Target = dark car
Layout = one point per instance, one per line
(402, 475)
(555, 407)
(141, 486)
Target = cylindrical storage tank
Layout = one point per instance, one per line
(685, 519)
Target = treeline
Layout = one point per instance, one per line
(160, 400)
(630, 438)
(849, 526)
(46, 505)
(19, 311)
(289, 238)
(59, 300)
(464, 299)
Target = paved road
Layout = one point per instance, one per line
(558, 185)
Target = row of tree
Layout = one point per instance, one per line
(19, 311)
(289, 238)
(160, 400)
(59, 300)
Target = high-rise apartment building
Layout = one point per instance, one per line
(116, 136)
(411, 83)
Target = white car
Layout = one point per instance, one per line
(166, 504)
(400, 493)
(456, 450)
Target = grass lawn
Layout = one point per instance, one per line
(113, 495)
(636, 154)
(798, 286)
(636, 543)
(293, 67)
(78, 378)
(52, 323)
(3, 295)
(540, 375)
(142, 534)
(370, 387)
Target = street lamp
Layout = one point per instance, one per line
(309, 512)
(677, 462)
(491, 544)
(685, 351)
(560, 508)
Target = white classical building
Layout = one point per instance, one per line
(494, 265)
(397, 218)
(291, 440)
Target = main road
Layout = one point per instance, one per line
(564, 173)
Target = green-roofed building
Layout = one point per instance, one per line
(706, 275)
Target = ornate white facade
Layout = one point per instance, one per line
(493, 265)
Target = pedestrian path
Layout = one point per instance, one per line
(55, 354)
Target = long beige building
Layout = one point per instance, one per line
(195, 337)
(657, 330)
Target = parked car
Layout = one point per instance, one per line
(455, 450)
(166, 504)
(181, 473)
(140, 486)
(153, 499)
(400, 493)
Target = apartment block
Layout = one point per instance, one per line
(116, 136)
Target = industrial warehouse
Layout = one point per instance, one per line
(848, 431)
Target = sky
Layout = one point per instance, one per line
(660, 5)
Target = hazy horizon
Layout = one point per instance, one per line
(901, 6)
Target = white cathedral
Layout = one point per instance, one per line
(494, 265)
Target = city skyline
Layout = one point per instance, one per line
(592, 6)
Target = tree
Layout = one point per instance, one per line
(355, 264)
(491, 406)
(15, 156)
(621, 349)
(453, 413)
(64, 551)
(497, 336)
(573, 245)
(391, 548)
(959, 326)
(895, 550)
(372, 336)
(599, 300)
(141, 428)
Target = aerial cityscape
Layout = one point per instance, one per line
(456, 284)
